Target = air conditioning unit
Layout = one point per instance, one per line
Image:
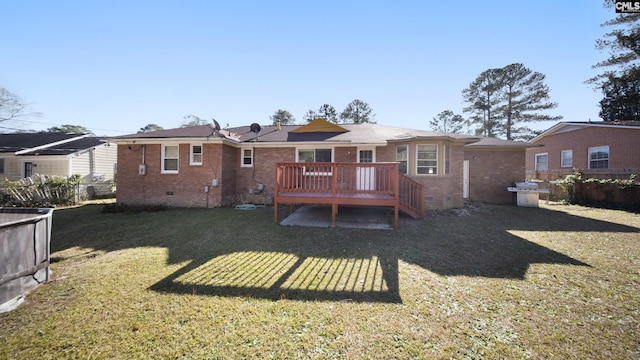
(142, 169)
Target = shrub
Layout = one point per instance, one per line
(126, 208)
(607, 193)
(41, 191)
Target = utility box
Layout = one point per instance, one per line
(25, 238)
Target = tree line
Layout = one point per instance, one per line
(356, 112)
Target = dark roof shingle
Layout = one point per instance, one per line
(69, 143)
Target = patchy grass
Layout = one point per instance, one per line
(483, 282)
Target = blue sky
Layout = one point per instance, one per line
(116, 66)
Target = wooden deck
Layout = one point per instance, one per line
(335, 184)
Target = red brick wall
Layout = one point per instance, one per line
(345, 154)
(491, 171)
(386, 153)
(228, 182)
(624, 147)
(263, 171)
(185, 189)
(443, 191)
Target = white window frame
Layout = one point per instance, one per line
(569, 162)
(163, 158)
(435, 168)
(599, 149)
(192, 161)
(536, 162)
(447, 159)
(23, 169)
(405, 160)
(243, 157)
(367, 148)
(314, 148)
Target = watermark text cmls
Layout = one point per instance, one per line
(627, 6)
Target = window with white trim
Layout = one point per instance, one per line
(402, 158)
(599, 157)
(427, 159)
(315, 155)
(365, 156)
(542, 162)
(195, 157)
(447, 159)
(247, 157)
(566, 158)
(169, 159)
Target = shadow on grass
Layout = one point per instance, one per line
(234, 253)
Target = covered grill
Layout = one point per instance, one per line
(526, 193)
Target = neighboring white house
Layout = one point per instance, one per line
(25, 154)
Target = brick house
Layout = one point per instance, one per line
(204, 166)
(599, 149)
(492, 166)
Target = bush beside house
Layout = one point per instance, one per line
(606, 193)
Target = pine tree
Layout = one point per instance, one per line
(621, 76)
(500, 99)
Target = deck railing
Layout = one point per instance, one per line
(371, 178)
(343, 179)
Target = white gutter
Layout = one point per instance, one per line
(45, 146)
(69, 166)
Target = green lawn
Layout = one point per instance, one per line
(484, 282)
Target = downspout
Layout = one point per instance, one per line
(70, 173)
(69, 165)
(144, 188)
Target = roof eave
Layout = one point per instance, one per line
(46, 146)
(162, 140)
(560, 125)
(549, 131)
(505, 147)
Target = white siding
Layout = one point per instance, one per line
(49, 165)
(80, 165)
(106, 157)
(11, 168)
(96, 166)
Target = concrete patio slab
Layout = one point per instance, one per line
(348, 217)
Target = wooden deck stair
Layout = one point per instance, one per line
(411, 194)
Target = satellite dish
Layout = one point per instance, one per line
(216, 126)
(255, 127)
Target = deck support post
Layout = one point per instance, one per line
(334, 212)
(275, 213)
(395, 221)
